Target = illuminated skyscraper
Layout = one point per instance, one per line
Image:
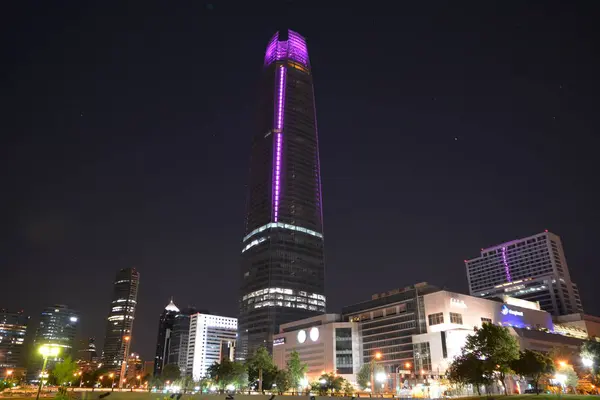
(13, 326)
(58, 325)
(283, 267)
(163, 341)
(120, 319)
(533, 268)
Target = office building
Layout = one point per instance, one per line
(323, 343)
(13, 327)
(180, 336)
(148, 369)
(587, 326)
(58, 326)
(206, 337)
(163, 341)
(135, 367)
(283, 268)
(119, 323)
(533, 268)
(387, 323)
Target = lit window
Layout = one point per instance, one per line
(436, 319)
(456, 318)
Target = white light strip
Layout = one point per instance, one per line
(284, 226)
(254, 243)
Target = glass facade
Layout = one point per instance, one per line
(13, 326)
(283, 270)
(120, 318)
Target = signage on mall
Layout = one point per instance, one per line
(506, 311)
(278, 341)
(457, 303)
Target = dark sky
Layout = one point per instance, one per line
(444, 126)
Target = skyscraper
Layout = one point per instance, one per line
(163, 340)
(283, 267)
(533, 268)
(180, 334)
(120, 319)
(13, 327)
(58, 325)
(208, 334)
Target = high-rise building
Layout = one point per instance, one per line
(533, 268)
(120, 319)
(180, 334)
(13, 327)
(163, 341)
(58, 326)
(283, 267)
(207, 335)
(135, 367)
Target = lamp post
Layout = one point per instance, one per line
(46, 351)
(139, 378)
(112, 381)
(9, 372)
(376, 357)
(407, 368)
(99, 382)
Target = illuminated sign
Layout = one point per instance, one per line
(506, 311)
(457, 303)
(314, 334)
(278, 341)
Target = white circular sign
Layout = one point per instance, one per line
(301, 336)
(314, 334)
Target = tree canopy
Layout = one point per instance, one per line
(228, 373)
(63, 371)
(295, 370)
(496, 348)
(170, 373)
(534, 365)
(261, 360)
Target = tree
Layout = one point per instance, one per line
(261, 360)
(534, 365)
(296, 370)
(63, 371)
(170, 372)
(496, 348)
(590, 355)
(348, 389)
(282, 380)
(363, 378)
(469, 369)
(228, 373)
(331, 383)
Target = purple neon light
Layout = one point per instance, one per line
(506, 267)
(278, 142)
(293, 49)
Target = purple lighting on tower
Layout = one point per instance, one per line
(293, 49)
(506, 267)
(278, 142)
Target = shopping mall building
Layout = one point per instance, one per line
(416, 332)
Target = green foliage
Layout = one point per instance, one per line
(330, 383)
(170, 373)
(348, 389)
(571, 380)
(496, 348)
(228, 373)
(261, 361)
(363, 378)
(63, 371)
(468, 369)
(295, 370)
(282, 380)
(591, 350)
(534, 365)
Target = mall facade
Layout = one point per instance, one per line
(414, 333)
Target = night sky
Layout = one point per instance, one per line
(444, 127)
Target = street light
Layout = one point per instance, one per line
(588, 362)
(112, 381)
(139, 378)
(562, 364)
(377, 356)
(46, 351)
